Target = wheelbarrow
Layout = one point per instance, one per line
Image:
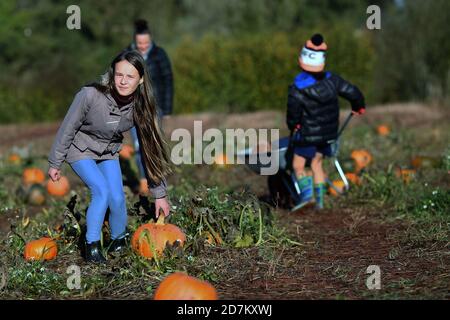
(283, 186)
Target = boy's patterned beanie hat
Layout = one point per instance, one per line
(313, 54)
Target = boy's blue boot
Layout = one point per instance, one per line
(305, 185)
(319, 191)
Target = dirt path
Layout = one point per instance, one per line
(405, 115)
(337, 248)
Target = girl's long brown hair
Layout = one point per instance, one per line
(152, 144)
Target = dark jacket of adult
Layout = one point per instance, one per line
(161, 76)
(313, 106)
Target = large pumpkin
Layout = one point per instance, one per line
(362, 159)
(41, 249)
(126, 152)
(150, 239)
(33, 175)
(180, 286)
(58, 188)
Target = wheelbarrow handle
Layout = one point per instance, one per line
(347, 120)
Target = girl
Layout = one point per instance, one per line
(90, 139)
(313, 116)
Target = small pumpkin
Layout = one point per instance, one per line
(425, 162)
(151, 238)
(180, 286)
(353, 178)
(126, 152)
(383, 130)
(41, 249)
(35, 195)
(33, 175)
(14, 158)
(58, 188)
(143, 187)
(362, 159)
(405, 174)
(338, 184)
(212, 239)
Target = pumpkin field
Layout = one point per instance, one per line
(222, 239)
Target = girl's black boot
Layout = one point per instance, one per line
(94, 252)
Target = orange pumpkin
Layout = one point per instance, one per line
(41, 249)
(180, 286)
(33, 175)
(126, 152)
(362, 159)
(58, 188)
(212, 239)
(143, 187)
(14, 158)
(353, 178)
(405, 174)
(383, 130)
(425, 162)
(339, 184)
(35, 195)
(150, 239)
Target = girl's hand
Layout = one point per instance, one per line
(54, 174)
(163, 204)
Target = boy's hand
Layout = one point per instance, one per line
(361, 111)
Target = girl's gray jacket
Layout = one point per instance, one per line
(92, 129)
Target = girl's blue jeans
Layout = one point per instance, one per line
(104, 180)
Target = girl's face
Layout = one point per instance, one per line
(126, 78)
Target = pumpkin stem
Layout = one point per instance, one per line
(160, 219)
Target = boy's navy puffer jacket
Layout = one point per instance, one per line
(313, 104)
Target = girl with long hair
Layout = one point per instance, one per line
(90, 138)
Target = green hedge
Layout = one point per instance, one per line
(252, 72)
(227, 74)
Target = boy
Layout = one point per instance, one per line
(313, 116)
